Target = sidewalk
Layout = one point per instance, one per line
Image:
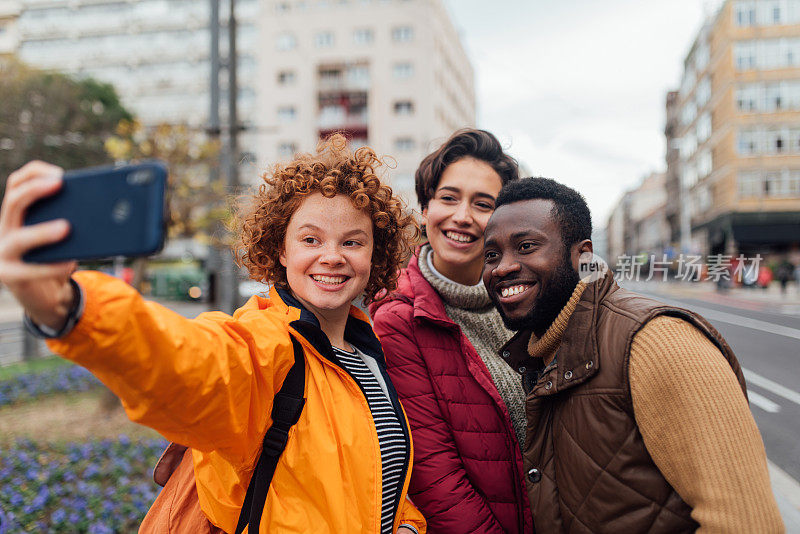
(10, 311)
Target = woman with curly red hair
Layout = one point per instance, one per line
(323, 230)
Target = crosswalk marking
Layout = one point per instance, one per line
(773, 387)
(763, 402)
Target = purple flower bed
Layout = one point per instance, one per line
(94, 487)
(63, 379)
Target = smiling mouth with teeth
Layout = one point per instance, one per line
(461, 238)
(332, 280)
(513, 290)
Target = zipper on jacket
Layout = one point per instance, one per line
(328, 354)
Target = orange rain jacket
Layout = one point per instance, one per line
(208, 383)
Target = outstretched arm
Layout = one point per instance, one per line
(207, 383)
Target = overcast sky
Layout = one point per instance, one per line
(576, 88)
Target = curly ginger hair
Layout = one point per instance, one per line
(333, 170)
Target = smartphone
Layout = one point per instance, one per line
(113, 211)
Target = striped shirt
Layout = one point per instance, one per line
(393, 444)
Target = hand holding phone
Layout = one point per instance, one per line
(44, 291)
(112, 211)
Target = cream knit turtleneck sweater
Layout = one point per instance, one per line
(694, 420)
(471, 309)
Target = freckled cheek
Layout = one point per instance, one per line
(298, 261)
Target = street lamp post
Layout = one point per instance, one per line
(224, 282)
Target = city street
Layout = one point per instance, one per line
(764, 332)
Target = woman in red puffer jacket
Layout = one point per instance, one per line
(440, 334)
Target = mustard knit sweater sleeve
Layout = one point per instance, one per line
(698, 428)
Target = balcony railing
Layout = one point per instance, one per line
(343, 84)
(327, 121)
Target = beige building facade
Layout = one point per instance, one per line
(735, 124)
(389, 73)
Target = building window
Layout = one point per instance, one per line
(749, 184)
(793, 184)
(767, 53)
(287, 150)
(703, 130)
(404, 107)
(745, 13)
(323, 39)
(703, 92)
(286, 77)
(747, 142)
(688, 113)
(747, 98)
(358, 75)
(689, 176)
(282, 7)
(402, 71)
(286, 41)
(701, 57)
(402, 34)
(404, 144)
(705, 163)
(768, 97)
(745, 55)
(363, 36)
(772, 184)
(287, 113)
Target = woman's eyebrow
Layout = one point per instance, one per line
(449, 188)
(356, 231)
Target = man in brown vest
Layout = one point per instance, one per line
(637, 412)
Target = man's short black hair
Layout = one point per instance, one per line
(569, 207)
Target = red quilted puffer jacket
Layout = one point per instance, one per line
(467, 474)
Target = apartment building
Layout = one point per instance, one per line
(9, 14)
(389, 73)
(155, 52)
(735, 123)
(638, 224)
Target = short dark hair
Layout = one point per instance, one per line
(465, 143)
(569, 206)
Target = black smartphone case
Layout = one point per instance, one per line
(113, 211)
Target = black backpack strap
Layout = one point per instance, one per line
(286, 409)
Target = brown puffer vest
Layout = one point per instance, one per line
(587, 466)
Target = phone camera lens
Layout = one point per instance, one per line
(140, 177)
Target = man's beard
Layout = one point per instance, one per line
(549, 302)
